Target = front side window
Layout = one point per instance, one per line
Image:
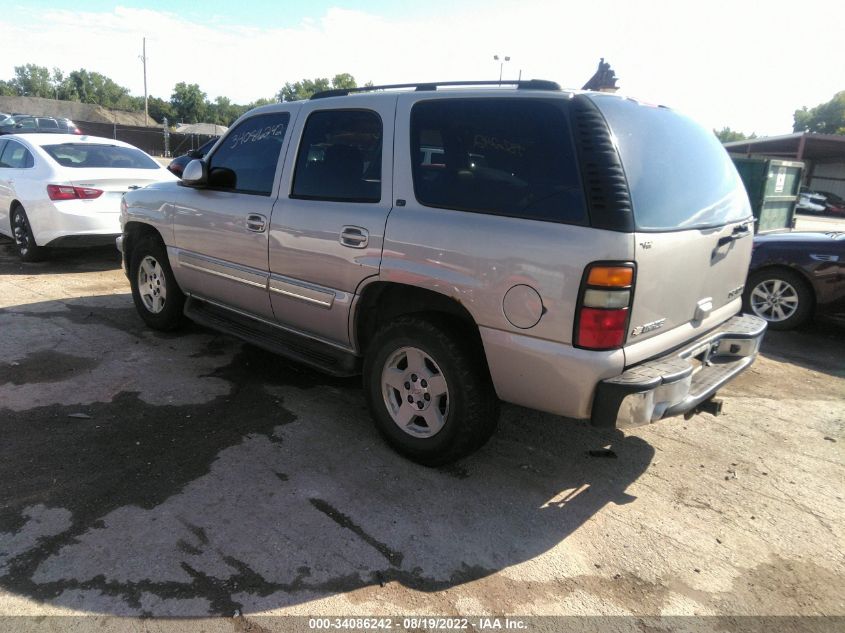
(246, 159)
(98, 155)
(340, 157)
(509, 157)
(16, 156)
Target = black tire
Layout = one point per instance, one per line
(802, 292)
(170, 315)
(28, 249)
(472, 412)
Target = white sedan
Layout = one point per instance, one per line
(65, 189)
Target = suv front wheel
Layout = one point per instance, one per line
(157, 296)
(429, 390)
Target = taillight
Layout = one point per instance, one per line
(68, 192)
(604, 302)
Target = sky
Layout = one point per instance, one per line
(740, 63)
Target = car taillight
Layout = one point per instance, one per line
(68, 192)
(604, 302)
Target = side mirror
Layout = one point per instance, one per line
(195, 174)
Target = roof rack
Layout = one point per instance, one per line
(528, 84)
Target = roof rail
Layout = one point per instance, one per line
(528, 84)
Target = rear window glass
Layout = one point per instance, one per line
(96, 155)
(509, 157)
(679, 175)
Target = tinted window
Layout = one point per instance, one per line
(502, 156)
(96, 155)
(250, 152)
(340, 157)
(16, 156)
(48, 124)
(25, 123)
(679, 174)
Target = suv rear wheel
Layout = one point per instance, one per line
(157, 296)
(429, 391)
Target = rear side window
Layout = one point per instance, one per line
(16, 156)
(96, 155)
(340, 157)
(251, 153)
(48, 124)
(509, 157)
(679, 175)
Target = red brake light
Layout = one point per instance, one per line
(601, 329)
(604, 302)
(68, 192)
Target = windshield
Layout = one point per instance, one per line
(96, 155)
(679, 175)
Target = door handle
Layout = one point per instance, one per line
(354, 237)
(256, 222)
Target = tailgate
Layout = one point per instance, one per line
(684, 277)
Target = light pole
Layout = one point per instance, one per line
(501, 65)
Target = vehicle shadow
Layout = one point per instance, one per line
(217, 477)
(59, 261)
(819, 345)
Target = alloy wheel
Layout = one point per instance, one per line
(152, 284)
(415, 392)
(774, 300)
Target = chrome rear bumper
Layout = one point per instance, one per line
(680, 381)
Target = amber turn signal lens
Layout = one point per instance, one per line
(611, 276)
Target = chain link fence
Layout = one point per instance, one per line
(154, 141)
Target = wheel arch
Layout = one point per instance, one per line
(135, 231)
(382, 301)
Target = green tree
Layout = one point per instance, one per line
(305, 88)
(825, 118)
(7, 89)
(33, 81)
(92, 87)
(159, 109)
(727, 135)
(189, 103)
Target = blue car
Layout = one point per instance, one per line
(794, 275)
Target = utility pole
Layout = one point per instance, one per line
(146, 99)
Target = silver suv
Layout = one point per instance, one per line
(578, 253)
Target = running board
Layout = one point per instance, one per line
(295, 347)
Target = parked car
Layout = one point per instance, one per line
(833, 204)
(17, 124)
(810, 202)
(4, 116)
(177, 165)
(794, 275)
(65, 190)
(547, 260)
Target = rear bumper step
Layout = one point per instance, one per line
(681, 382)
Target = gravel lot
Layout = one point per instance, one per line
(188, 474)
